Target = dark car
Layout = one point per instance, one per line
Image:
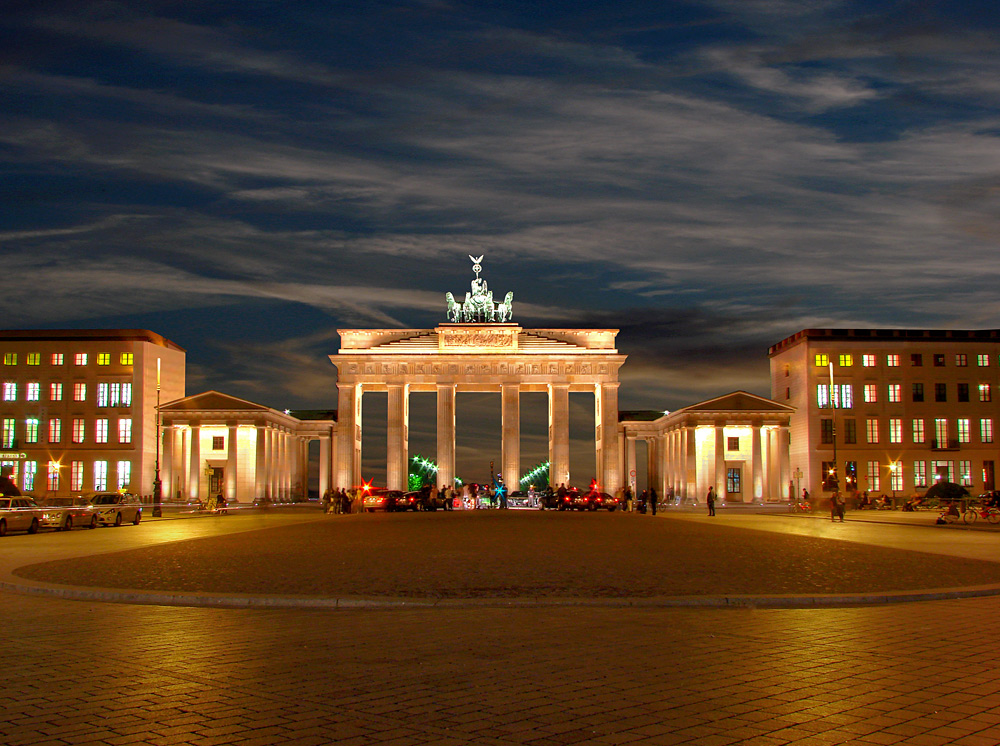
(408, 501)
(381, 500)
(603, 501)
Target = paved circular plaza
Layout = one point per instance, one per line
(507, 555)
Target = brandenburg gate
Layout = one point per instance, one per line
(478, 350)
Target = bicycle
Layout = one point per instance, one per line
(975, 512)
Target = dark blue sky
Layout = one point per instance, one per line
(709, 177)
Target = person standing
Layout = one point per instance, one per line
(710, 499)
(652, 499)
(837, 506)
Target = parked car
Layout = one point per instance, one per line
(115, 508)
(408, 501)
(381, 499)
(63, 514)
(19, 514)
(604, 501)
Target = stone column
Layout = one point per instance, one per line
(720, 461)
(185, 468)
(630, 460)
(784, 466)
(758, 472)
(289, 466)
(194, 475)
(691, 460)
(446, 434)
(232, 462)
(167, 464)
(650, 461)
(397, 450)
(348, 436)
(510, 446)
(274, 464)
(610, 477)
(260, 472)
(558, 434)
(324, 463)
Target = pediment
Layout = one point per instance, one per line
(212, 400)
(739, 401)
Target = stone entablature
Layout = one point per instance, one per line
(480, 339)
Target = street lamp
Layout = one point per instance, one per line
(835, 483)
(157, 484)
(893, 468)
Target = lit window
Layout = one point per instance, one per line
(983, 361)
(961, 360)
(125, 430)
(986, 430)
(101, 430)
(8, 432)
(218, 442)
(984, 392)
(963, 430)
(919, 473)
(942, 470)
(124, 474)
(10, 358)
(116, 395)
(56, 359)
(940, 433)
(31, 430)
(126, 358)
(918, 431)
(872, 430)
(100, 476)
(871, 393)
(874, 478)
(868, 361)
(29, 474)
(846, 360)
(895, 393)
(843, 396)
(102, 395)
(895, 430)
(126, 394)
(52, 477)
(822, 360)
(896, 478)
(55, 430)
(732, 443)
(32, 390)
(823, 395)
(76, 476)
(79, 392)
(55, 391)
(33, 358)
(892, 361)
(965, 473)
(9, 391)
(80, 358)
(79, 430)
(104, 358)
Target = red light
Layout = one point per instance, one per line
(367, 486)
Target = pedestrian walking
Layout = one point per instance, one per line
(837, 506)
(710, 499)
(652, 499)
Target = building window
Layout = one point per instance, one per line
(788, 370)
(218, 442)
(918, 431)
(868, 361)
(31, 430)
(963, 392)
(823, 395)
(33, 358)
(29, 474)
(963, 430)
(10, 358)
(850, 430)
(896, 478)
(126, 358)
(892, 361)
(101, 430)
(895, 393)
(916, 360)
(851, 474)
(874, 480)
(55, 391)
(103, 394)
(732, 443)
(965, 473)
(79, 430)
(8, 432)
(104, 358)
(895, 430)
(822, 360)
(919, 473)
(76, 476)
(918, 392)
(52, 477)
(940, 392)
(843, 396)
(984, 392)
(989, 476)
(788, 393)
(871, 393)
(9, 391)
(56, 359)
(826, 430)
(940, 433)
(872, 430)
(80, 358)
(983, 361)
(55, 430)
(32, 391)
(100, 476)
(961, 360)
(938, 361)
(124, 474)
(79, 392)
(125, 430)
(986, 430)
(126, 394)
(846, 360)
(733, 486)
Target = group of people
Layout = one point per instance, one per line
(341, 501)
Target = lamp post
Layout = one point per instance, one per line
(893, 468)
(835, 482)
(157, 484)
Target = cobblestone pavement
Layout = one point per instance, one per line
(94, 673)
